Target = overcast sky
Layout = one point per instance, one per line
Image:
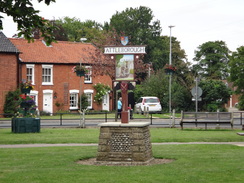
(195, 21)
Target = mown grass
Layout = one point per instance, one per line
(91, 135)
(193, 163)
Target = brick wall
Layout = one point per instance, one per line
(8, 76)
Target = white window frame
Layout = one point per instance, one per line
(31, 67)
(75, 92)
(51, 75)
(90, 92)
(88, 76)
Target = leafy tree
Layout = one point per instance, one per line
(75, 29)
(237, 74)
(158, 85)
(84, 101)
(215, 95)
(27, 18)
(212, 58)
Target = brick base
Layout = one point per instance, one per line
(121, 143)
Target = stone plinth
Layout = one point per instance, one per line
(124, 143)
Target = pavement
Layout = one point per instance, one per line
(82, 145)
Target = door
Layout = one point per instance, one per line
(47, 102)
(105, 102)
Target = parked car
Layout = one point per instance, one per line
(152, 104)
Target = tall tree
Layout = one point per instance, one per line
(27, 18)
(212, 58)
(237, 74)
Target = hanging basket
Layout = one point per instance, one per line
(80, 73)
(169, 71)
(25, 90)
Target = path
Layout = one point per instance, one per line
(77, 144)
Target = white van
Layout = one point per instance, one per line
(152, 104)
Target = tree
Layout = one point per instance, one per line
(158, 85)
(237, 74)
(212, 58)
(215, 95)
(75, 29)
(11, 103)
(27, 18)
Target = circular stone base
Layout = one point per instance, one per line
(153, 161)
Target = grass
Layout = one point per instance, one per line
(91, 135)
(193, 163)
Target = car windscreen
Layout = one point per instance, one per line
(151, 100)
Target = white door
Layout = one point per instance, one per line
(105, 102)
(47, 102)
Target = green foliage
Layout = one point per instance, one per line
(212, 58)
(138, 92)
(237, 74)
(84, 101)
(75, 29)
(215, 94)
(101, 90)
(11, 103)
(241, 102)
(27, 19)
(237, 69)
(158, 85)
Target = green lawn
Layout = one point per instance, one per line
(91, 135)
(193, 163)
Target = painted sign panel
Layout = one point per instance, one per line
(124, 67)
(125, 50)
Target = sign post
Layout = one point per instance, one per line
(124, 58)
(196, 93)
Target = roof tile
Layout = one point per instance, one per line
(59, 52)
(6, 46)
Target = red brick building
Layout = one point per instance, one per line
(56, 86)
(9, 68)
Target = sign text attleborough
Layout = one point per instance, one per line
(125, 50)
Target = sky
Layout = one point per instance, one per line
(195, 21)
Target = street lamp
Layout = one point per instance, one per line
(170, 76)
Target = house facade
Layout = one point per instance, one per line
(9, 68)
(49, 68)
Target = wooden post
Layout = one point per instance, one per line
(124, 92)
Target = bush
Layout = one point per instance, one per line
(11, 103)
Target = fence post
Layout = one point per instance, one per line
(173, 122)
(106, 116)
(61, 122)
(151, 118)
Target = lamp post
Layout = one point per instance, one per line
(170, 76)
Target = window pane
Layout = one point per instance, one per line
(73, 100)
(46, 75)
(29, 74)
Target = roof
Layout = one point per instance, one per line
(62, 52)
(6, 46)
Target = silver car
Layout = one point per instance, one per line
(150, 104)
